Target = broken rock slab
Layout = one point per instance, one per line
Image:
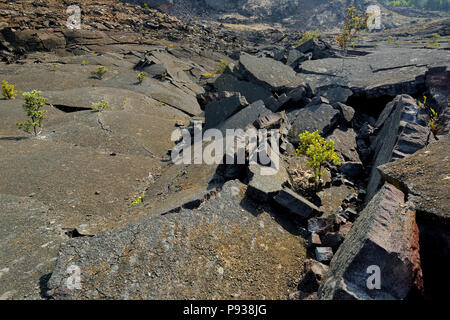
(296, 204)
(265, 182)
(268, 72)
(402, 129)
(384, 238)
(322, 117)
(191, 254)
(425, 176)
(251, 91)
(246, 116)
(218, 111)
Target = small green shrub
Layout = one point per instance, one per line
(434, 40)
(33, 107)
(390, 40)
(222, 66)
(319, 152)
(141, 76)
(8, 91)
(99, 72)
(146, 6)
(138, 201)
(308, 35)
(433, 120)
(100, 106)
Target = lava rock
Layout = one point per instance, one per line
(324, 254)
(296, 204)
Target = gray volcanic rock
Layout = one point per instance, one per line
(425, 175)
(29, 246)
(296, 204)
(388, 71)
(265, 182)
(268, 72)
(322, 117)
(251, 91)
(385, 235)
(192, 254)
(402, 130)
(345, 143)
(246, 116)
(219, 111)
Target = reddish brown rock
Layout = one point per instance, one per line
(385, 236)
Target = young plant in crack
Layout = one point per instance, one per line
(318, 151)
(100, 106)
(33, 107)
(354, 23)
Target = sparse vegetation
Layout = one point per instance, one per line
(434, 42)
(138, 201)
(432, 123)
(99, 72)
(100, 106)
(308, 35)
(433, 120)
(8, 91)
(221, 67)
(353, 23)
(33, 107)
(208, 75)
(319, 152)
(141, 77)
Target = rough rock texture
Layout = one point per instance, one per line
(265, 182)
(268, 72)
(322, 117)
(402, 130)
(29, 246)
(385, 235)
(388, 71)
(425, 176)
(246, 116)
(219, 111)
(296, 204)
(207, 253)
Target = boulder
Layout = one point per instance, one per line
(345, 143)
(268, 72)
(425, 176)
(322, 117)
(353, 169)
(385, 238)
(246, 116)
(332, 240)
(322, 225)
(347, 112)
(218, 111)
(296, 204)
(401, 130)
(265, 182)
(251, 91)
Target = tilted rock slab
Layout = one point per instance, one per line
(271, 73)
(228, 247)
(385, 235)
(402, 130)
